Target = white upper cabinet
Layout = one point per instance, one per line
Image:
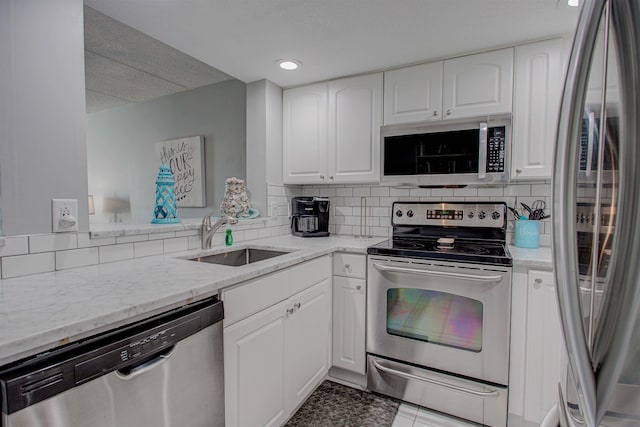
(355, 116)
(331, 131)
(477, 85)
(413, 94)
(305, 134)
(539, 75)
(474, 85)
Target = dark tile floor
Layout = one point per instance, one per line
(333, 404)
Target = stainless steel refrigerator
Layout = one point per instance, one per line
(596, 225)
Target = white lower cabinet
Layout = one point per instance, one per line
(538, 357)
(349, 301)
(274, 358)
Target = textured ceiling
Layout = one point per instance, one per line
(123, 65)
(334, 38)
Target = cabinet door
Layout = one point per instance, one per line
(536, 104)
(304, 135)
(254, 365)
(355, 116)
(307, 342)
(413, 94)
(349, 324)
(545, 354)
(477, 85)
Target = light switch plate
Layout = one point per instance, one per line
(64, 215)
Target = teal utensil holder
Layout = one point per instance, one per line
(527, 233)
(165, 211)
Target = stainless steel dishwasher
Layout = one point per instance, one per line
(164, 371)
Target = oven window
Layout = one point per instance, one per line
(435, 317)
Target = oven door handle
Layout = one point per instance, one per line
(482, 151)
(479, 278)
(482, 394)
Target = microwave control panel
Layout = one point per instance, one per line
(496, 149)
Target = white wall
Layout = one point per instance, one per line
(264, 140)
(121, 147)
(42, 112)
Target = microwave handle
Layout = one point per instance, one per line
(482, 152)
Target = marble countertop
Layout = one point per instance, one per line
(541, 257)
(43, 311)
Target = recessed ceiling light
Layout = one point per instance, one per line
(289, 64)
(573, 3)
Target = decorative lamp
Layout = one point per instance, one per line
(165, 211)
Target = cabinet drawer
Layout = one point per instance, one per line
(255, 295)
(309, 273)
(350, 265)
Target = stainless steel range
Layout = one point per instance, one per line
(439, 307)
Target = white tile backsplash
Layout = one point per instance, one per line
(176, 244)
(22, 265)
(85, 241)
(52, 242)
(132, 239)
(76, 258)
(18, 245)
(149, 248)
(115, 252)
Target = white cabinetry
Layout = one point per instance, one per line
(478, 84)
(276, 356)
(468, 86)
(331, 131)
(349, 301)
(539, 73)
(538, 358)
(413, 94)
(305, 134)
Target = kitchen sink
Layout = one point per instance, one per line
(239, 257)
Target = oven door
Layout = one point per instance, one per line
(448, 316)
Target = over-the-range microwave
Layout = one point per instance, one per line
(451, 152)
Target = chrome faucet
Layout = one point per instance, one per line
(208, 229)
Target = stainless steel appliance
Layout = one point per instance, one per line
(310, 216)
(439, 307)
(452, 152)
(596, 261)
(165, 371)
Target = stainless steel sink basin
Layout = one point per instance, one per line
(239, 257)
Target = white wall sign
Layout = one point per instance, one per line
(185, 157)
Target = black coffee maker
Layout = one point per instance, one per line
(310, 216)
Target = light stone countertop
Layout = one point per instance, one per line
(541, 257)
(43, 311)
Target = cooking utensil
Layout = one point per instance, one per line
(526, 208)
(538, 209)
(515, 212)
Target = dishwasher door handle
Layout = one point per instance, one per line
(160, 359)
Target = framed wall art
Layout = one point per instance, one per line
(185, 157)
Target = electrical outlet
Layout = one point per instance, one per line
(64, 215)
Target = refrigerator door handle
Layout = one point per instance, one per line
(622, 308)
(564, 202)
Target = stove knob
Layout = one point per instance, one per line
(495, 215)
(482, 215)
(470, 215)
(410, 213)
(398, 213)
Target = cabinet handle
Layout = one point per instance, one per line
(435, 113)
(358, 287)
(347, 266)
(331, 177)
(290, 310)
(518, 170)
(321, 176)
(448, 112)
(537, 283)
(296, 305)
